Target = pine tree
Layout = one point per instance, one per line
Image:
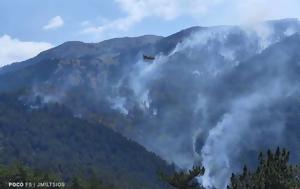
(76, 183)
(273, 172)
(185, 180)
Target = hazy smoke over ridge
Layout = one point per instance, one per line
(220, 96)
(226, 103)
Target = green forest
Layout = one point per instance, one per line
(272, 172)
(81, 155)
(50, 139)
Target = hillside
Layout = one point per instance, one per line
(211, 95)
(51, 139)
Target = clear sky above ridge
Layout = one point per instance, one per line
(31, 26)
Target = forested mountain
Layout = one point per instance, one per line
(52, 140)
(211, 95)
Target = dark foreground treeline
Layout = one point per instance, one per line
(19, 176)
(273, 172)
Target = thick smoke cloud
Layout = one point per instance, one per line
(223, 97)
(220, 96)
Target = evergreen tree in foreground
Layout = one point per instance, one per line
(185, 180)
(273, 172)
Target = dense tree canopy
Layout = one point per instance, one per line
(273, 172)
(50, 138)
(185, 179)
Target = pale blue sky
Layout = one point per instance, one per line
(47, 23)
(24, 19)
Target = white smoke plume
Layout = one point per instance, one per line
(218, 97)
(229, 124)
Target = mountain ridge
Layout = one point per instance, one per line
(167, 39)
(205, 90)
